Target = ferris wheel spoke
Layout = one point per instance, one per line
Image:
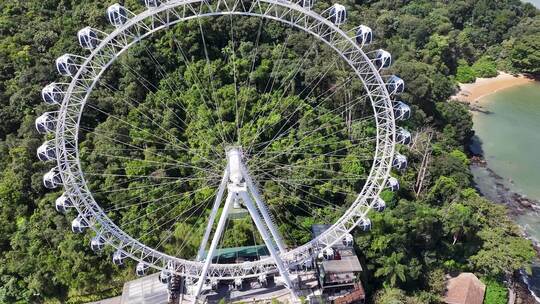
(162, 140)
(151, 151)
(253, 54)
(294, 168)
(302, 145)
(272, 77)
(164, 197)
(337, 153)
(147, 214)
(132, 188)
(296, 225)
(200, 87)
(175, 140)
(176, 164)
(140, 202)
(302, 180)
(286, 83)
(311, 205)
(147, 176)
(286, 80)
(192, 231)
(167, 81)
(232, 59)
(296, 185)
(144, 150)
(280, 135)
(190, 211)
(188, 63)
(133, 102)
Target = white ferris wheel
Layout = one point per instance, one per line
(256, 175)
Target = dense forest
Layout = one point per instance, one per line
(435, 224)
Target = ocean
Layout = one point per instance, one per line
(508, 133)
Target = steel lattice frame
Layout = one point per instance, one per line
(169, 13)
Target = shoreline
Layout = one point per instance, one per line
(475, 93)
(517, 204)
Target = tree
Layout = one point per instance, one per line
(465, 73)
(457, 221)
(391, 269)
(485, 67)
(525, 54)
(390, 296)
(502, 254)
(444, 190)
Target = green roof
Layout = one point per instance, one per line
(246, 251)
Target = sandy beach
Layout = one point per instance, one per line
(482, 87)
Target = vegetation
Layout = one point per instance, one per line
(496, 293)
(440, 227)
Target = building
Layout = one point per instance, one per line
(339, 270)
(466, 288)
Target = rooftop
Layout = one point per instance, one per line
(466, 288)
(242, 252)
(346, 264)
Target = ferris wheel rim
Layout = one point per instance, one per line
(157, 259)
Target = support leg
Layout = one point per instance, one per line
(267, 239)
(213, 213)
(213, 245)
(264, 211)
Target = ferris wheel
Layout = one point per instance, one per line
(296, 152)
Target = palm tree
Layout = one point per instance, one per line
(391, 269)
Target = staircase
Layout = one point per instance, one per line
(175, 289)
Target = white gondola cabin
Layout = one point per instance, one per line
(141, 268)
(392, 184)
(308, 3)
(379, 205)
(165, 276)
(238, 283)
(395, 85)
(338, 14)
(62, 203)
(46, 122)
(66, 66)
(263, 280)
(47, 151)
(117, 14)
(383, 59)
(79, 224)
(400, 162)
(403, 136)
(402, 111)
(52, 94)
(118, 258)
(52, 179)
(152, 3)
(365, 224)
(97, 243)
(88, 38)
(347, 240)
(364, 35)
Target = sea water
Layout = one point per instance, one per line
(508, 133)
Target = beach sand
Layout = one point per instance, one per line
(482, 87)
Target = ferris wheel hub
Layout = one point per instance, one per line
(234, 160)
